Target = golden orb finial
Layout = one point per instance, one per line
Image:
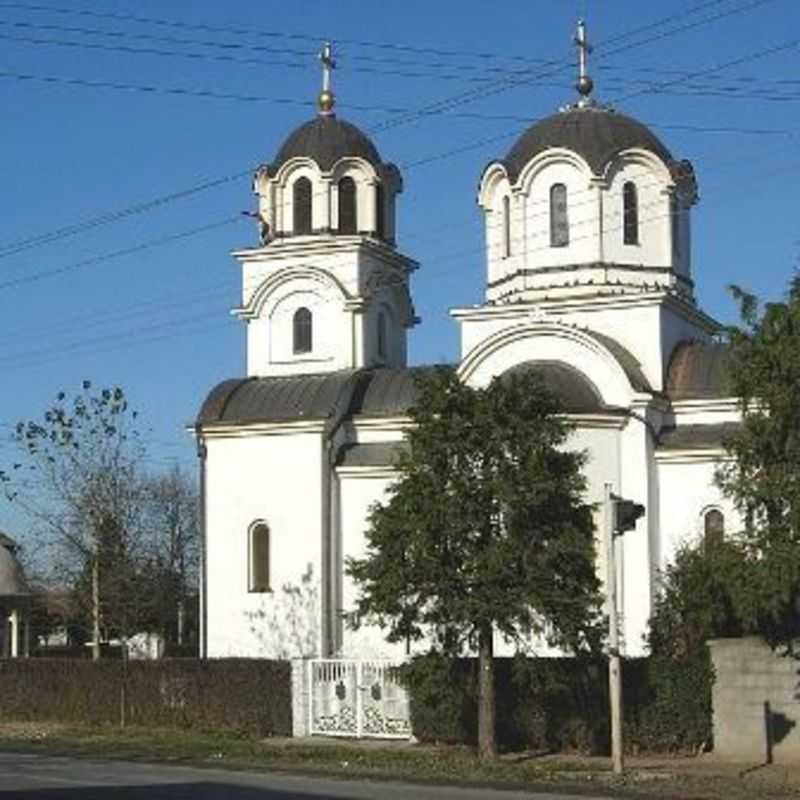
(326, 101)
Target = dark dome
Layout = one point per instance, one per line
(573, 389)
(326, 139)
(597, 134)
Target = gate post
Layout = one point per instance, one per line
(301, 697)
(359, 700)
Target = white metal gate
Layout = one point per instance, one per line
(357, 698)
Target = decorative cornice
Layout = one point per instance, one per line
(233, 430)
(325, 244)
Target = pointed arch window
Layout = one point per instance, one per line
(559, 219)
(348, 208)
(713, 528)
(382, 334)
(302, 331)
(630, 213)
(301, 206)
(258, 558)
(506, 226)
(380, 212)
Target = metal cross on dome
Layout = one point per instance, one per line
(327, 99)
(585, 84)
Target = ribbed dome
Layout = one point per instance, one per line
(326, 139)
(596, 134)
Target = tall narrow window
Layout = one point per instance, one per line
(713, 528)
(258, 558)
(302, 331)
(675, 222)
(381, 334)
(348, 215)
(630, 213)
(301, 205)
(559, 220)
(380, 213)
(506, 226)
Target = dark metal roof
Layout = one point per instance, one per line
(698, 370)
(389, 391)
(371, 454)
(326, 139)
(12, 579)
(375, 392)
(596, 134)
(697, 437)
(630, 365)
(369, 393)
(574, 390)
(279, 399)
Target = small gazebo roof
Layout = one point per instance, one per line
(12, 578)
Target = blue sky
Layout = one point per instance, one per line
(717, 81)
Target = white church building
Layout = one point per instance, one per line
(588, 283)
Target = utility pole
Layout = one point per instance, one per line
(619, 515)
(614, 665)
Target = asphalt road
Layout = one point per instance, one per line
(39, 777)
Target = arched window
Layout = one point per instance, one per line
(506, 226)
(348, 215)
(380, 213)
(559, 220)
(301, 206)
(258, 558)
(713, 528)
(302, 331)
(675, 222)
(381, 334)
(630, 213)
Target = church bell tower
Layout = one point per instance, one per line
(326, 288)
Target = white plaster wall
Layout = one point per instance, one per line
(583, 214)
(654, 248)
(550, 343)
(647, 329)
(270, 336)
(687, 490)
(276, 479)
(358, 492)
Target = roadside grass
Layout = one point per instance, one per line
(684, 779)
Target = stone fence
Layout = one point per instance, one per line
(756, 702)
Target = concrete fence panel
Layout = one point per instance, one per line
(756, 702)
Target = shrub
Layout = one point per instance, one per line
(695, 604)
(545, 704)
(248, 695)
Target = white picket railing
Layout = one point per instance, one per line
(357, 698)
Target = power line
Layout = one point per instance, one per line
(734, 92)
(25, 279)
(13, 248)
(436, 108)
(393, 46)
(189, 324)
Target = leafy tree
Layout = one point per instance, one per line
(485, 531)
(78, 476)
(173, 533)
(763, 477)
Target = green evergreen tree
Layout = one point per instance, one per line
(763, 476)
(486, 530)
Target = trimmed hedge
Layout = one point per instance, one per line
(248, 695)
(545, 704)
